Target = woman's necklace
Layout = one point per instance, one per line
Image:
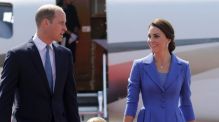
(164, 65)
(161, 66)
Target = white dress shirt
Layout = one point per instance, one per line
(41, 46)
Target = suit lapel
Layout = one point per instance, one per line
(151, 70)
(37, 62)
(173, 72)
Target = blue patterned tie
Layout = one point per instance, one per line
(48, 69)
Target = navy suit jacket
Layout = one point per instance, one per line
(161, 102)
(24, 77)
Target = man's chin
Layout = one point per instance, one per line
(60, 39)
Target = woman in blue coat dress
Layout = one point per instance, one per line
(162, 78)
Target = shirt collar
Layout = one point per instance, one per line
(39, 43)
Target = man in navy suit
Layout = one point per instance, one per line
(39, 96)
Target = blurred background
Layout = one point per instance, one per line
(113, 33)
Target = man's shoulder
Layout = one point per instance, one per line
(22, 47)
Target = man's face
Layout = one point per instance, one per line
(57, 27)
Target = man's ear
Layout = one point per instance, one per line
(45, 22)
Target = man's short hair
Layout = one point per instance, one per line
(46, 12)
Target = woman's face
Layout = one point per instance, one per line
(157, 40)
